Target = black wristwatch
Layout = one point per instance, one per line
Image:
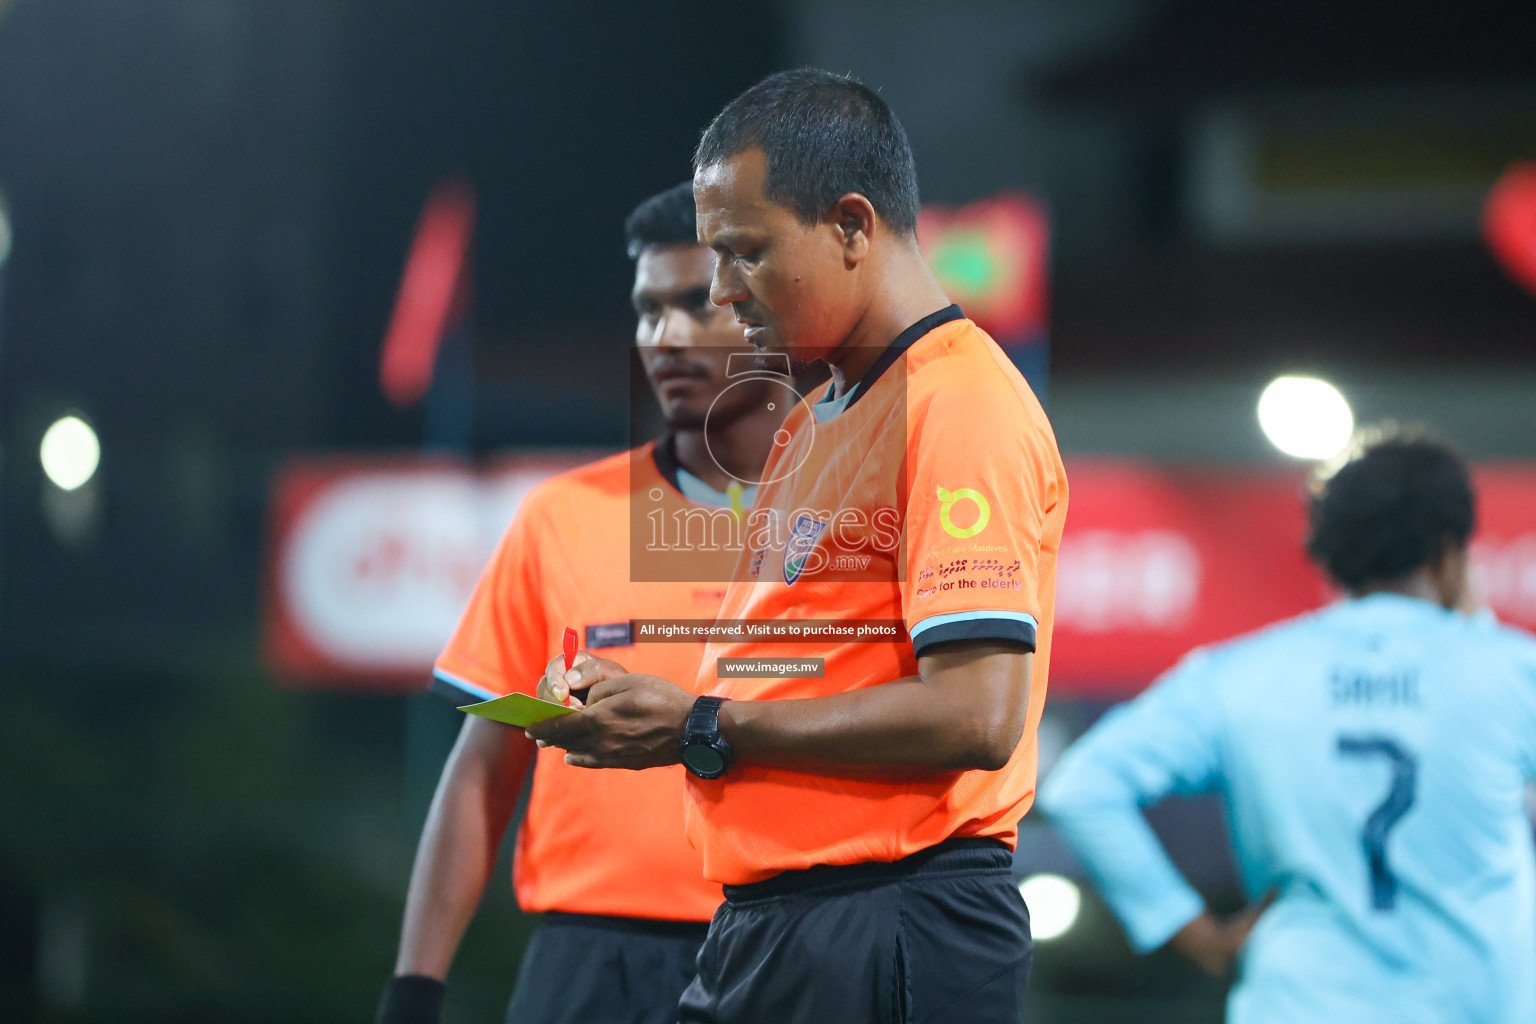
(705, 751)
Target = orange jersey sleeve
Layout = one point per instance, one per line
(986, 494)
(501, 643)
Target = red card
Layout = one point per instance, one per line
(569, 646)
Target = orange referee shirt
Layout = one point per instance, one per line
(592, 842)
(933, 493)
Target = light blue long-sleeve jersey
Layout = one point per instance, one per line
(1372, 759)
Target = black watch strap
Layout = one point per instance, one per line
(412, 999)
(705, 752)
(704, 718)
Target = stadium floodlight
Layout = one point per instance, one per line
(1306, 418)
(70, 452)
(1053, 903)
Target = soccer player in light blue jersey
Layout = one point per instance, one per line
(1372, 759)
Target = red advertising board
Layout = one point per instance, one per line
(1157, 560)
(371, 561)
(1504, 547)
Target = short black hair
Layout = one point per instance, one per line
(824, 135)
(666, 218)
(1396, 502)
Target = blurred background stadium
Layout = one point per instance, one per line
(213, 766)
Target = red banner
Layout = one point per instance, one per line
(1504, 547)
(1156, 561)
(433, 293)
(1159, 560)
(372, 561)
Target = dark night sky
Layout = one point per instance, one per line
(560, 141)
(212, 204)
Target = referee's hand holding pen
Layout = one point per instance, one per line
(626, 720)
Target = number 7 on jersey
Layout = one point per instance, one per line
(1373, 838)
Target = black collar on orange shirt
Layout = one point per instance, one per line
(905, 340)
(665, 457)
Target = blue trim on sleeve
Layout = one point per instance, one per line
(1016, 627)
(944, 620)
(456, 688)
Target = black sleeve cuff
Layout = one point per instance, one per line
(412, 999)
(455, 694)
(1008, 630)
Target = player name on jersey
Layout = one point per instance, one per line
(1399, 687)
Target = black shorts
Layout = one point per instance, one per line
(942, 935)
(586, 969)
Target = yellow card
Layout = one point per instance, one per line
(517, 709)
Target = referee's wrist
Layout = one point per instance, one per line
(411, 999)
(734, 715)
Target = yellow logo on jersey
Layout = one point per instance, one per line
(947, 500)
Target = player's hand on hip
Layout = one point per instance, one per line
(585, 670)
(1213, 945)
(1240, 925)
(630, 721)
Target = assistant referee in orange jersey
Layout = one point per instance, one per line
(861, 819)
(601, 855)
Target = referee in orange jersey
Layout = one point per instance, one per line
(861, 812)
(601, 854)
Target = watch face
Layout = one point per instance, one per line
(703, 760)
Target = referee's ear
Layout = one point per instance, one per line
(857, 225)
